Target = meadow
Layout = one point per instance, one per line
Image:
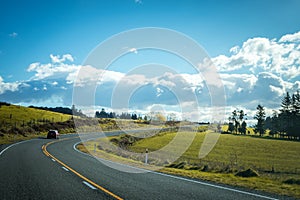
(277, 162)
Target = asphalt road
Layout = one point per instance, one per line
(27, 173)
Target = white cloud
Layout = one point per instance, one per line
(291, 37)
(14, 86)
(235, 81)
(263, 54)
(59, 59)
(234, 49)
(54, 83)
(88, 75)
(278, 90)
(53, 70)
(13, 35)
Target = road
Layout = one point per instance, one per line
(27, 173)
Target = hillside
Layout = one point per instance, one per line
(19, 116)
(19, 122)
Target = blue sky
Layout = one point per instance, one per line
(33, 30)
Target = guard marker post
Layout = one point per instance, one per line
(146, 158)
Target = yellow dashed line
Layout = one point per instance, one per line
(44, 148)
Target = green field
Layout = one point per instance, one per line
(276, 161)
(234, 151)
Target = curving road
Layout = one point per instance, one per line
(34, 170)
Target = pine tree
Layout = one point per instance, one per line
(286, 114)
(286, 103)
(296, 103)
(260, 117)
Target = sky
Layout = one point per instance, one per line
(254, 46)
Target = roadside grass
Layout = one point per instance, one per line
(12, 138)
(277, 161)
(257, 183)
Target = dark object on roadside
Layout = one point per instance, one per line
(292, 181)
(52, 134)
(247, 173)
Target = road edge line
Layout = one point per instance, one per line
(14, 144)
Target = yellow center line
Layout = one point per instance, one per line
(44, 148)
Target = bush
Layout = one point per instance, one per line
(247, 173)
(177, 165)
(292, 181)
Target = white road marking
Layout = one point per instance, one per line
(65, 169)
(53, 160)
(176, 177)
(14, 145)
(89, 185)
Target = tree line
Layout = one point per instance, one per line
(64, 110)
(284, 123)
(123, 115)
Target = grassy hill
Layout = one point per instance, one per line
(17, 122)
(13, 115)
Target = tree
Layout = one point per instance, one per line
(274, 124)
(296, 103)
(286, 103)
(112, 115)
(101, 114)
(134, 116)
(243, 128)
(230, 127)
(77, 112)
(260, 117)
(237, 119)
(285, 115)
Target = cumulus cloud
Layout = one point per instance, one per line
(261, 70)
(280, 57)
(50, 70)
(291, 37)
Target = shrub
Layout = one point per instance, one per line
(247, 173)
(292, 181)
(177, 165)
